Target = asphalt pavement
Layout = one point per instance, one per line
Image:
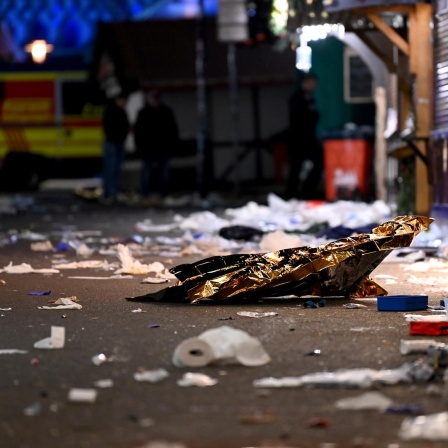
(36, 411)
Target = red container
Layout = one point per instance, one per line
(348, 165)
(429, 328)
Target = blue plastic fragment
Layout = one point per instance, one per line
(416, 408)
(39, 293)
(62, 246)
(310, 304)
(442, 303)
(322, 302)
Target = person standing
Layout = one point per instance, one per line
(156, 135)
(116, 129)
(303, 143)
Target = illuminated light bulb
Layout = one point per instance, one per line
(39, 50)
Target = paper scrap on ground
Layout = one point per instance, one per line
(64, 303)
(103, 384)
(42, 246)
(256, 314)
(12, 351)
(151, 376)
(138, 310)
(369, 400)
(427, 427)
(349, 378)
(25, 268)
(196, 379)
(155, 280)
(84, 251)
(148, 226)
(5, 309)
(56, 340)
(78, 395)
(87, 264)
(223, 345)
(112, 277)
(131, 266)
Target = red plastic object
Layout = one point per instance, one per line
(429, 328)
(347, 159)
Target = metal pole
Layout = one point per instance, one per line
(234, 109)
(201, 102)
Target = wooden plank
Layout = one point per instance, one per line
(421, 66)
(389, 32)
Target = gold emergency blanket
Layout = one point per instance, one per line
(339, 268)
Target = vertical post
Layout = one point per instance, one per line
(234, 110)
(201, 138)
(421, 65)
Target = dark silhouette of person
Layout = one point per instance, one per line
(156, 136)
(303, 143)
(116, 129)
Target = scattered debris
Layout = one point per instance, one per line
(416, 408)
(256, 314)
(56, 340)
(86, 264)
(301, 270)
(131, 266)
(99, 359)
(64, 303)
(354, 306)
(78, 395)
(408, 347)
(42, 246)
(196, 379)
(138, 310)
(154, 280)
(2, 282)
(26, 268)
(368, 400)
(153, 325)
(12, 351)
(103, 384)
(5, 309)
(352, 378)
(318, 423)
(220, 346)
(84, 251)
(151, 376)
(314, 352)
(427, 427)
(33, 410)
(39, 293)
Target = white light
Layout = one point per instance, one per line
(318, 32)
(303, 57)
(39, 50)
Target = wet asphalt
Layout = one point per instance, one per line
(35, 410)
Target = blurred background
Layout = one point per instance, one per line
(227, 68)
